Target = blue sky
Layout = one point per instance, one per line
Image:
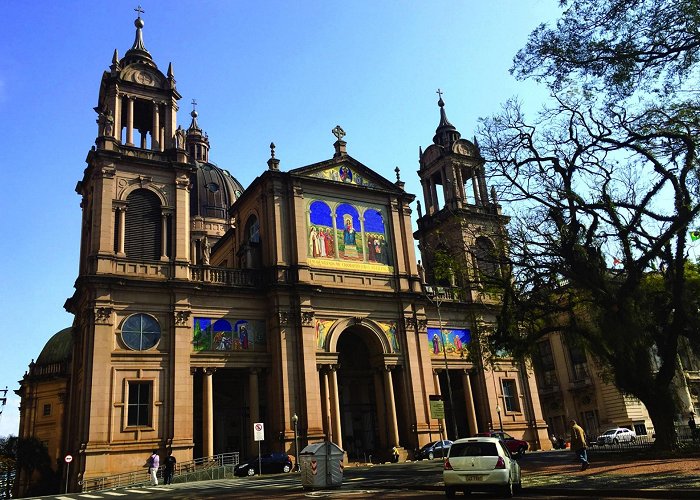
(261, 71)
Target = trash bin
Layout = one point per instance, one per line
(321, 465)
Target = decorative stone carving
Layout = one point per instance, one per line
(307, 317)
(422, 325)
(283, 317)
(182, 182)
(182, 318)
(409, 323)
(103, 315)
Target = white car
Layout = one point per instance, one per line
(480, 464)
(616, 436)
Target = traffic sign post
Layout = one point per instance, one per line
(259, 435)
(68, 459)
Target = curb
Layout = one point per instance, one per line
(627, 493)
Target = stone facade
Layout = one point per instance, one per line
(300, 295)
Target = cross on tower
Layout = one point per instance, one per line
(139, 10)
(194, 104)
(338, 132)
(439, 93)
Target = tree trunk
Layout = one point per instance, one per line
(662, 410)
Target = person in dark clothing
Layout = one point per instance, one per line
(169, 468)
(692, 426)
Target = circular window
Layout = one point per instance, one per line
(140, 332)
(213, 187)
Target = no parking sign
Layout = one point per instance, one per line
(259, 431)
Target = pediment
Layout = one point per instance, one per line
(346, 171)
(143, 75)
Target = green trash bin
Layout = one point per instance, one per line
(321, 466)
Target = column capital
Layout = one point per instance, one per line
(209, 370)
(182, 317)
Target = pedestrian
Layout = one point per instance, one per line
(395, 454)
(692, 426)
(169, 468)
(579, 444)
(153, 465)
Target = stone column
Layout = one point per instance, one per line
(475, 186)
(391, 407)
(120, 218)
(208, 413)
(469, 399)
(164, 237)
(325, 402)
(381, 411)
(155, 130)
(129, 121)
(335, 407)
(254, 404)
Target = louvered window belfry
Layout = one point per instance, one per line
(144, 230)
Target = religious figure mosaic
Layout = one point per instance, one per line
(455, 341)
(322, 328)
(342, 235)
(344, 174)
(228, 335)
(390, 330)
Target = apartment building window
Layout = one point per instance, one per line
(47, 410)
(139, 403)
(544, 360)
(510, 395)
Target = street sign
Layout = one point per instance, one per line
(259, 431)
(68, 459)
(437, 407)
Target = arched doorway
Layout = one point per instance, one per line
(361, 393)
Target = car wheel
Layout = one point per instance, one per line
(632, 439)
(431, 455)
(250, 471)
(615, 441)
(287, 468)
(450, 492)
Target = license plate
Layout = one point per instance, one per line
(473, 478)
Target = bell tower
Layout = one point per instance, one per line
(460, 234)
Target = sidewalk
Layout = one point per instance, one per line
(632, 476)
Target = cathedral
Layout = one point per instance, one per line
(202, 307)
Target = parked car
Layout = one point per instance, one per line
(615, 436)
(481, 464)
(270, 463)
(515, 446)
(434, 449)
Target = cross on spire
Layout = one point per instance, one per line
(139, 10)
(439, 93)
(194, 104)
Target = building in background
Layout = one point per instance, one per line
(202, 308)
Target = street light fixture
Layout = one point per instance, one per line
(295, 421)
(500, 422)
(434, 296)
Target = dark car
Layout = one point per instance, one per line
(270, 463)
(515, 446)
(434, 449)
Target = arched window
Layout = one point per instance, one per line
(144, 227)
(486, 259)
(249, 253)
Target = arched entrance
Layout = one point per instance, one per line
(365, 394)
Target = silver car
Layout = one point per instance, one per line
(615, 436)
(481, 464)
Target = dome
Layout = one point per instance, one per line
(214, 191)
(58, 348)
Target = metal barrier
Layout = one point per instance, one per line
(214, 467)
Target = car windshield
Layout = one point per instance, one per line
(475, 449)
(428, 446)
(609, 433)
(506, 436)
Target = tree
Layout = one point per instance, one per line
(603, 189)
(618, 46)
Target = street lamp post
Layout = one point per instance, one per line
(295, 421)
(437, 300)
(500, 422)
